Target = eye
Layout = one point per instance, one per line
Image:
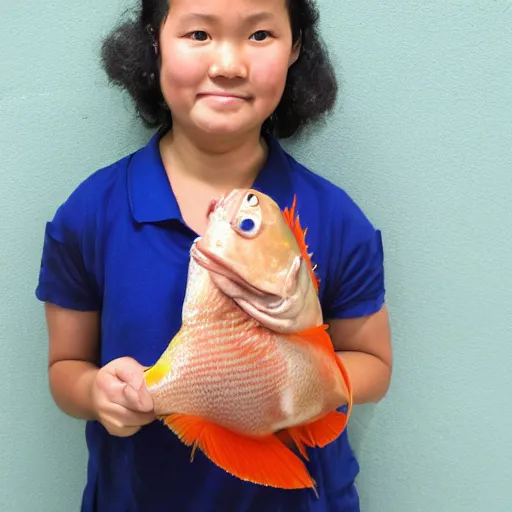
(252, 200)
(198, 35)
(260, 35)
(246, 225)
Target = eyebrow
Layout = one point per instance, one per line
(252, 18)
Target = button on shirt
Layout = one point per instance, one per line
(119, 245)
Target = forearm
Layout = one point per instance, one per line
(71, 384)
(370, 376)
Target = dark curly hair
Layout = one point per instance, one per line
(130, 62)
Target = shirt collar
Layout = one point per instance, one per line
(275, 178)
(150, 193)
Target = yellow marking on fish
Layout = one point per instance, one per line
(157, 372)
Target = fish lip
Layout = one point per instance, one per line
(214, 204)
(231, 204)
(212, 263)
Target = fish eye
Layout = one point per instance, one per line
(247, 225)
(252, 200)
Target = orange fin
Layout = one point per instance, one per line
(292, 441)
(266, 460)
(293, 221)
(348, 385)
(320, 432)
(318, 336)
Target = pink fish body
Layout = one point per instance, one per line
(252, 365)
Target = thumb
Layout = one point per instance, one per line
(139, 400)
(131, 374)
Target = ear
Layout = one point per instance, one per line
(294, 55)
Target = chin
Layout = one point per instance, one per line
(224, 125)
(219, 129)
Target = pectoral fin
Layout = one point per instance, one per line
(316, 335)
(266, 460)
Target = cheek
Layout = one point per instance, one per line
(269, 75)
(179, 72)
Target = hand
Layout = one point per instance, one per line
(120, 397)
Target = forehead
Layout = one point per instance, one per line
(225, 7)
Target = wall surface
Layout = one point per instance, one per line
(422, 140)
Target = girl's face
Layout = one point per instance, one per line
(224, 62)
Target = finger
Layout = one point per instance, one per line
(138, 400)
(138, 419)
(125, 396)
(121, 431)
(121, 417)
(118, 392)
(135, 392)
(130, 371)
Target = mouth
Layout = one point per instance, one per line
(225, 96)
(225, 209)
(214, 203)
(214, 264)
(227, 206)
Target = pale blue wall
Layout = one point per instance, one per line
(422, 140)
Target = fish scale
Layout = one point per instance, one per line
(221, 373)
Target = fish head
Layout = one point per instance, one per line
(248, 241)
(253, 257)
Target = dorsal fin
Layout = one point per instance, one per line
(293, 221)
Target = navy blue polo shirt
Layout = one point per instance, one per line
(119, 245)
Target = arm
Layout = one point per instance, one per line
(364, 346)
(73, 352)
(115, 395)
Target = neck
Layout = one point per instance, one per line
(221, 162)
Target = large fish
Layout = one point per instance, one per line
(252, 372)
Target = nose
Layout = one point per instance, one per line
(228, 62)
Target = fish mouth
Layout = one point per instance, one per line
(229, 204)
(213, 263)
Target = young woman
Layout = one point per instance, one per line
(222, 80)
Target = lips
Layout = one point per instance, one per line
(227, 95)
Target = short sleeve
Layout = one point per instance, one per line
(63, 276)
(356, 281)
